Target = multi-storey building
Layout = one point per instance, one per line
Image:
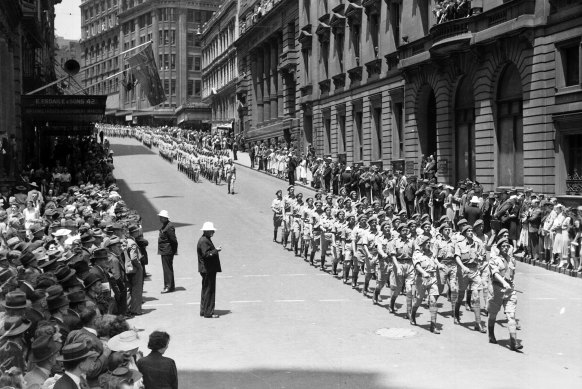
(26, 63)
(173, 27)
(494, 95)
(219, 67)
(100, 50)
(267, 59)
(67, 49)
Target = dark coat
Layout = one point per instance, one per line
(535, 220)
(208, 260)
(167, 242)
(159, 372)
(472, 214)
(65, 382)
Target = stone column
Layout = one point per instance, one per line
(257, 74)
(266, 81)
(274, 77)
(280, 88)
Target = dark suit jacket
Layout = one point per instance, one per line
(535, 220)
(158, 371)
(65, 382)
(208, 260)
(167, 242)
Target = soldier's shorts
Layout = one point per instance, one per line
(448, 274)
(469, 280)
(382, 268)
(406, 277)
(426, 286)
(277, 220)
(502, 297)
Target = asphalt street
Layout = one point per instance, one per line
(285, 324)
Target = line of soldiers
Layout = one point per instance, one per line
(415, 256)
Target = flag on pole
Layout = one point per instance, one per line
(143, 67)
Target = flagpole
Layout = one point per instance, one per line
(133, 48)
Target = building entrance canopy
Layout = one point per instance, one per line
(74, 112)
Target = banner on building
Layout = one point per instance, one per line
(143, 67)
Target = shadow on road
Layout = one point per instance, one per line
(125, 150)
(279, 378)
(138, 201)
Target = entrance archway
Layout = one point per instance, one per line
(510, 128)
(426, 120)
(465, 130)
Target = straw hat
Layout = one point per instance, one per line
(126, 341)
(208, 226)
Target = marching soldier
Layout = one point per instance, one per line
(401, 250)
(384, 259)
(288, 201)
(469, 253)
(347, 232)
(426, 266)
(277, 208)
(444, 249)
(502, 267)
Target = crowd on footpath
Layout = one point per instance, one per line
(196, 155)
(72, 267)
(429, 242)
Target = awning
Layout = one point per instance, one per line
(63, 109)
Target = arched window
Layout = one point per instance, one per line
(510, 128)
(465, 130)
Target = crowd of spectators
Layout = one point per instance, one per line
(72, 268)
(447, 10)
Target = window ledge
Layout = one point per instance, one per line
(566, 90)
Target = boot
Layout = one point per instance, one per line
(311, 258)
(514, 345)
(457, 314)
(433, 328)
(322, 264)
(275, 236)
(408, 305)
(306, 250)
(413, 316)
(334, 268)
(391, 307)
(367, 278)
(376, 295)
(479, 327)
(346, 274)
(491, 328)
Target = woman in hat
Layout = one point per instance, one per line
(31, 215)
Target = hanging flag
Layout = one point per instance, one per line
(143, 67)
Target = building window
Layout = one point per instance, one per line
(339, 48)
(190, 62)
(197, 87)
(190, 87)
(570, 56)
(359, 136)
(190, 16)
(327, 136)
(377, 123)
(197, 64)
(375, 32)
(172, 61)
(306, 56)
(167, 86)
(173, 86)
(190, 39)
(395, 19)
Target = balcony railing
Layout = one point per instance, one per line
(479, 22)
(574, 184)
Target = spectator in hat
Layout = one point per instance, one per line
(167, 248)
(159, 372)
(88, 335)
(78, 360)
(118, 270)
(44, 358)
(13, 343)
(473, 211)
(135, 277)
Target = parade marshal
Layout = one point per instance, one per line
(208, 266)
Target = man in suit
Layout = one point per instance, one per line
(44, 357)
(88, 335)
(167, 248)
(208, 266)
(534, 224)
(77, 360)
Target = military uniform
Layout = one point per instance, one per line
(383, 264)
(402, 249)
(471, 253)
(426, 283)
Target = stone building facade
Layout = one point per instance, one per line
(495, 96)
(100, 48)
(27, 52)
(267, 55)
(174, 27)
(219, 67)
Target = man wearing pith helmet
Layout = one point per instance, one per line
(208, 266)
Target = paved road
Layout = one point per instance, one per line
(285, 324)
